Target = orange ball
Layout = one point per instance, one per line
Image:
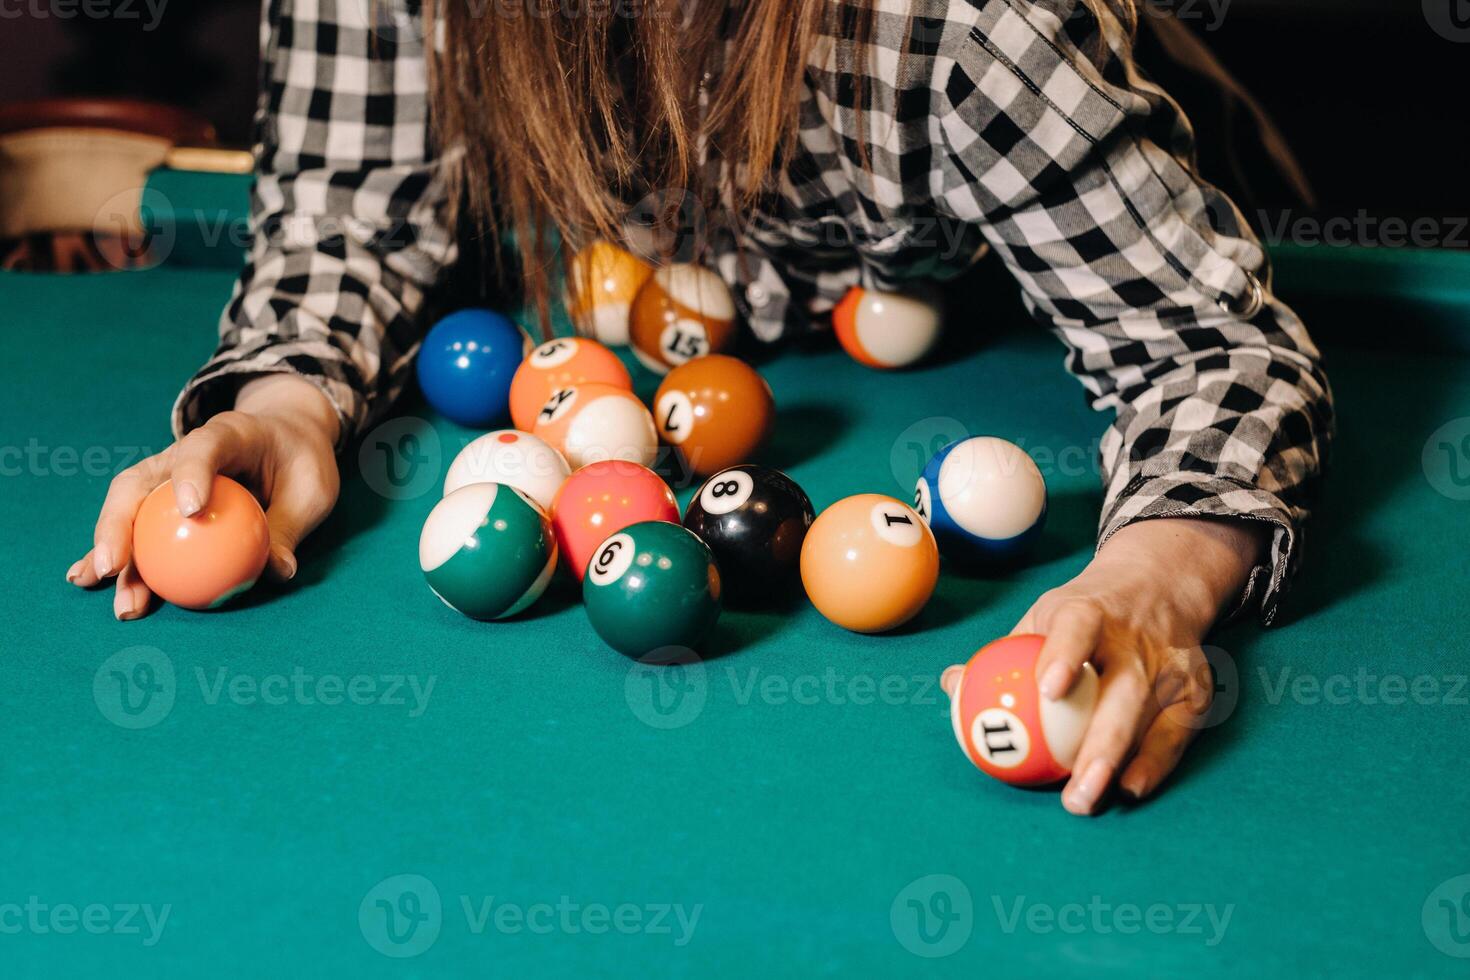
(682, 312)
(559, 364)
(869, 563)
(716, 410)
(602, 283)
(602, 499)
(592, 422)
(203, 561)
(887, 330)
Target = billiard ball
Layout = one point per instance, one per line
(869, 563)
(466, 365)
(602, 283)
(513, 459)
(487, 551)
(985, 499)
(203, 561)
(652, 589)
(559, 364)
(716, 411)
(1004, 725)
(593, 422)
(754, 520)
(886, 330)
(682, 312)
(603, 498)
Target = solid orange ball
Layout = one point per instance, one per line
(603, 282)
(683, 312)
(602, 499)
(557, 364)
(869, 563)
(717, 411)
(202, 561)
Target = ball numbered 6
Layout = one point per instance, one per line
(651, 587)
(869, 563)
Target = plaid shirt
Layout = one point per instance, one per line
(989, 121)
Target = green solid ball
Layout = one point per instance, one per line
(488, 551)
(651, 586)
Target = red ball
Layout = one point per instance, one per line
(602, 499)
(1005, 726)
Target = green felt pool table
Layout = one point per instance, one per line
(343, 777)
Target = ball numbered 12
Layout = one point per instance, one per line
(488, 551)
(985, 498)
(590, 423)
(869, 563)
(1005, 726)
(754, 519)
(652, 588)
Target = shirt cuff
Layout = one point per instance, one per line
(215, 387)
(1209, 496)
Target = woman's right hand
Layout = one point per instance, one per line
(278, 441)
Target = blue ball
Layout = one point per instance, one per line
(466, 365)
(985, 500)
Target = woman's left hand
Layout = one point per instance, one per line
(1140, 612)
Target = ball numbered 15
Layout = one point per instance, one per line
(682, 312)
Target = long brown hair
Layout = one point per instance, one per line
(556, 113)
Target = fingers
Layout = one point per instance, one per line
(1124, 706)
(132, 597)
(223, 443)
(112, 539)
(304, 493)
(950, 679)
(1160, 751)
(1072, 636)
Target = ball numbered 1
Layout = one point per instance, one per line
(593, 422)
(1004, 725)
(869, 563)
(558, 364)
(682, 312)
(203, 561)
(466, 365)
(716, 411)
(513, 459)
(488, 551)
(754, 520)
(985, 498)
(652, 587)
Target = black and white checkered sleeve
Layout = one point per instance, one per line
(346, 213)
(1078, 171)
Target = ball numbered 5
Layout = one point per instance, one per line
(869, 563)
(651, 587)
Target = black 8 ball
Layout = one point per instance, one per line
(754, 519)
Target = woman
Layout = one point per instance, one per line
(843, 141)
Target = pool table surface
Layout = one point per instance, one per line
(342, 777)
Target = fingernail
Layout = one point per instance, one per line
(1083, 795)
(188, 498)
(74, 571)
(102, 562)
(124, 608)
(1054, 681)
(1133, 784)
(285, 565)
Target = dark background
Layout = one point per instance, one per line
(1370, 93)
